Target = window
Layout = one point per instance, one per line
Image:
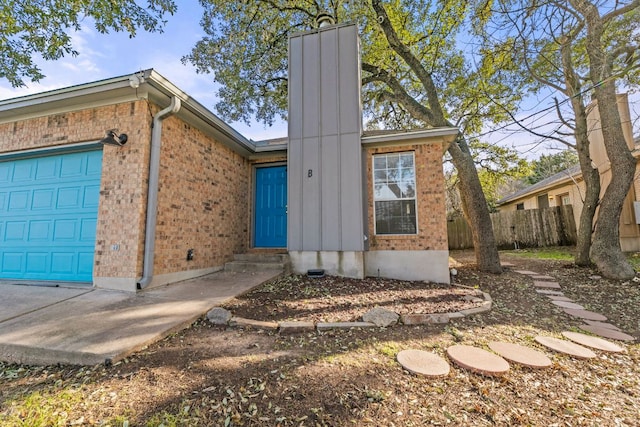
(565, 200)
(394, 193)
(520, 206)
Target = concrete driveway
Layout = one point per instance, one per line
(87, 326)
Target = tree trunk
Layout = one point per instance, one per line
(591, 178)
(475, 209)
(605, 250)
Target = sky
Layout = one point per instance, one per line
(103, 56)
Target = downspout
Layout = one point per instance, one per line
(152, 192)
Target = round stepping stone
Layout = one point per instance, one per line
(559, 298)
(553, 285)
(423, 363)
(567, 304)
(601, 324)
(566, 347)
(585, 314)
(520, 354)
(478, 360)
(607, 333)
(593, 342)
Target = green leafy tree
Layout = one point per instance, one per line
(32, 28)
(550, 164)
(415, 74)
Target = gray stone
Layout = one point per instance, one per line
(559, 298)
(472, 298)
(381, 317)
(601, 324)
(485, 306)
(526, 272)
(219, 316)
(296, 327)
(585, 314)
(539, 284)
(567, 304)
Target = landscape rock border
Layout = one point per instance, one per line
(292, 327)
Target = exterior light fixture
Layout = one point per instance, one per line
(113, 139)
(324, 19)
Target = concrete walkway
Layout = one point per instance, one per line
(87, 326)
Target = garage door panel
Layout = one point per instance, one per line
(64, 230)
(15, 231)
(47, 168)
(88, 230)
(23, 172)
(40, 230)
(12, 262)
(18, 200)
(62, 262)
(43, 199)
(37, 262)
(48, 216)
(91, 196)
(69, 197)
(94, 164)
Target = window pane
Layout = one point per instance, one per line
(406, 161)
(380, 176)
(408, 190)
(392, 161)
(379, 162)
(396, 217)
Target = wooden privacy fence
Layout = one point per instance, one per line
(520, 229)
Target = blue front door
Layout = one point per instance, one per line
(48, 215)
(270, 230)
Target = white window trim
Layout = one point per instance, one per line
(373, 188)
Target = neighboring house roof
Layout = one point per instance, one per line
(559, 178)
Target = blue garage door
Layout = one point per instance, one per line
(270, 229)
(48, 213)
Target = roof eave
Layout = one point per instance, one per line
(443, 136)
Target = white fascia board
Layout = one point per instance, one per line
(74, 98)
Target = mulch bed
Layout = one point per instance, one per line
(336, 299)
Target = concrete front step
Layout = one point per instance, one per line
(261, 258)
(240, 266)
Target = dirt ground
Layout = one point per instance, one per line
(213, 376)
